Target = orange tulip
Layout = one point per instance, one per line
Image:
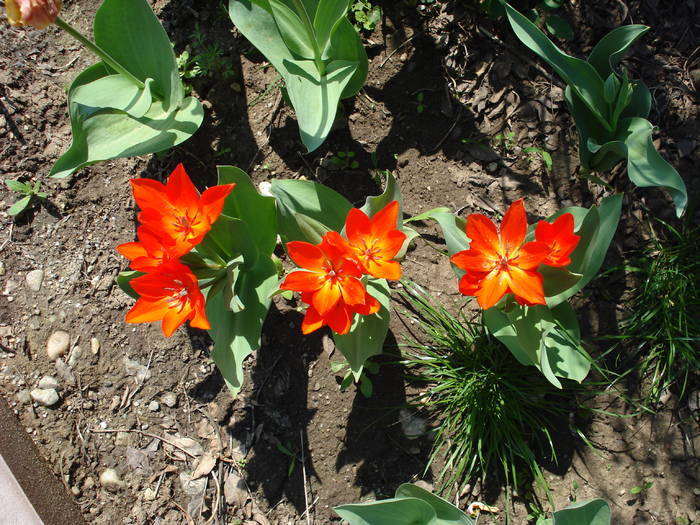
(36, 13)
(329, 283)
(500, 262)
(169, 294)
(374, 242)
(176, 212)
(560, 238)
(148, 253)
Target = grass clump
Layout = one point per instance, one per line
(494, 414)
(664, 319)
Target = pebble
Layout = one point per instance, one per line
(34, 280)
(75, 356)
(412, 425)
(2, 268)
(110, 480)
(169, 399)
(154, 406)
(24, 397)
(149, 494)
(48, 383)
(64, 372)
(95, 346)
(45, 397)
(57, 344)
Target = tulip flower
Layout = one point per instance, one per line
(500, 262)
(330, 283)
(36, 13)
(374, 242)
(560, 238)
(169, 294)
(148, 253)
(176, 212)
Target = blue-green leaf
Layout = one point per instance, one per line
(292, 30)
(590, 512)
(395, 511)
(445, 512)
(611, 48)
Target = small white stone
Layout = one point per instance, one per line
(154, 406)
(24, 397)
(265, 188)
(34, 280)
(57, 344)
(48, 383)
(2, 268)
(110, 480)
(75, 356)
(46, 397)
(149, 494)
(95, 346)
(169, 399)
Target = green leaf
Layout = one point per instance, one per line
(395, 511)
(113, 92)
(646, 168)
(329, 14)
(314, 97)
(236, 335)
(553, 4)
(292, 30)
(132, 35)
(590, 512)
(596, 231)
(312, 230)
(446, 513)
(368, 332)
(124, 280)
(19, 206)
(366, 387)
(311, 199)
(245, 203)
(18, 186)
(607, 53)
(580, 76)
(559, 27)
(453, 229)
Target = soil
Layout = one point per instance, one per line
(478, 83)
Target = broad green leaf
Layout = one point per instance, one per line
(312, 230)
(236, 335)
(553, 4)
(596, 231)
(245, 203)
(328, 16)
(113, 92)
(19, 206)
(292, 30)
(395, 511)
(314, 200)
(646, 168)
(590, 512)
(445, 512)
(587, 126)
(368, 332)
(132, 35)
(315, 98)
(124, 280)
(453, 229)
(111, 134)
(580, 76)
(346, 45)
(559, 27)
(611, 48)
(640, 102)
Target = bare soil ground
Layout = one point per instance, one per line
(151, 408)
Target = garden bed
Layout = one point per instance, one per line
(150, 407)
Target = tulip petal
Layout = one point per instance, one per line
(484, 235)
(470, 283)
(382, 269)
(514, 227)
(352, 291)
(132, 250)
(306, 255)
(527, 284)
(357, 226)
(147, 311)
(371, 306)
(312, 321)
(473, 261)
(531, 255)
(340, 318)
(492, 288)
(302, 281)
(326, 298)
(148, 193)
(180, 191)
(213, 199)
(174, 319)
(390, 244)
(385, 220)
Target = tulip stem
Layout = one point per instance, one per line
(106, 58)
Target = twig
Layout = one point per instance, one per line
(397, 48)
(303, 471)
(216, 500)
(9, 237)
(190, 521)
(310, 506)
(144, 433)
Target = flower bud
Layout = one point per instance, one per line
(35, 13)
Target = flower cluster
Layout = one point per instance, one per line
(500, 261)
(330, 281)
(174, 218)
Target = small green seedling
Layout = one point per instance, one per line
(641, 489)
(292, 458)
(30, 192)
(365, 14)
(419, 100)
(543, 154)
(344, 160)
(365, 383)
(506, 140)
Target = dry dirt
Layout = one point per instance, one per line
(150, 408)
